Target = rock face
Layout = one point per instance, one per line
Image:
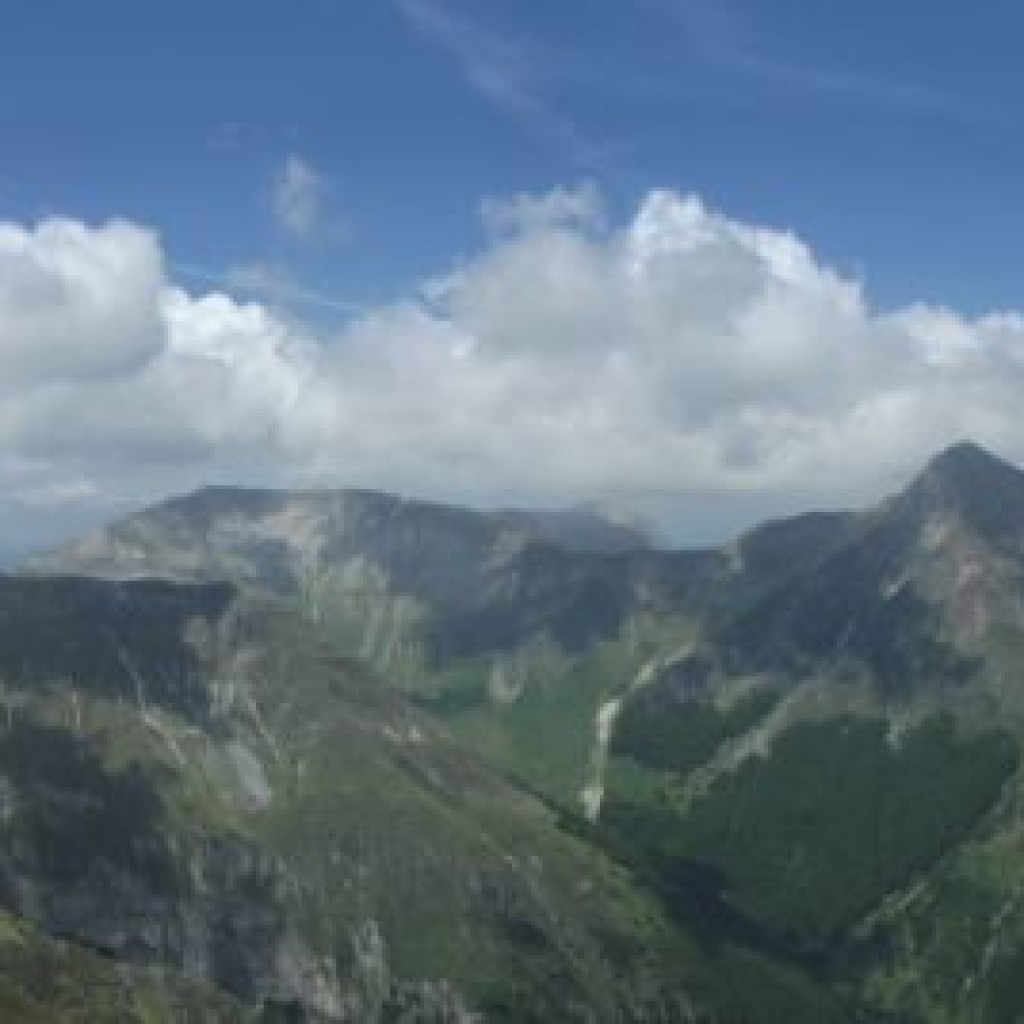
(190, 778)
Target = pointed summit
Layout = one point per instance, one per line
(968, 463)
(986, 491)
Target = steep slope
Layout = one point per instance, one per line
(821, 763)
(838, 755)
(496, 629)
(518, 643)
(44, 980)
(192, 783)
(910, 589)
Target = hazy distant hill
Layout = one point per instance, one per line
(585, 527)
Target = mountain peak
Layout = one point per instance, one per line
(967, 457)
(985, 490)
(966, 466)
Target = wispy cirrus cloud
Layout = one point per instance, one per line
(278, 287)
(590, 102)
(508, 73)
(267, 283)
(719, 37)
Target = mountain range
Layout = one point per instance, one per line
(343, 756)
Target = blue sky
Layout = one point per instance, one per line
(887, 134)
(711, 260)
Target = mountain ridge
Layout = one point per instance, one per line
(837, 690)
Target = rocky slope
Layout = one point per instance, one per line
(840, 749)
(480, 615)
(819, 771)
(196, 788)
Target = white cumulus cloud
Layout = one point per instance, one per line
(709, 370)
(77, 304)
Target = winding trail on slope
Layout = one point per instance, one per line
(592, 794)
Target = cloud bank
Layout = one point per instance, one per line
(683, 362)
